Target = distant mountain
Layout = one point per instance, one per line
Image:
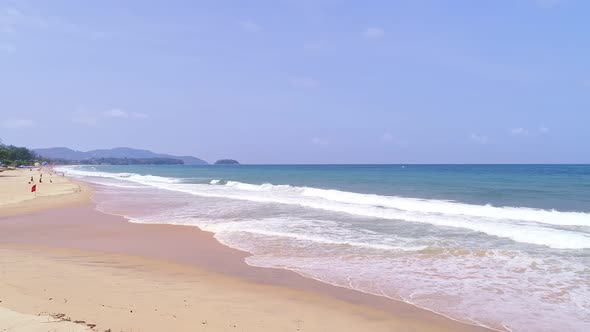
(227, 162)
(69, 154)
(61, 153)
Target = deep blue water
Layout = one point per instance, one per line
(560, 187)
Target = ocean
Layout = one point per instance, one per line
(501, 246)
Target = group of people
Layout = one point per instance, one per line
(32, 181)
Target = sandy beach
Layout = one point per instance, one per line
(61, 260)
(55, 191)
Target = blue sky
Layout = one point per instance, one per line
(301, 81)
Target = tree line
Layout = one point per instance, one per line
(11, 155)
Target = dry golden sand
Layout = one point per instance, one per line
(55, 191)
(17, 322)
(76, 263)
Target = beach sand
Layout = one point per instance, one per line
(16, 322)
(74, 262)
(55, 191)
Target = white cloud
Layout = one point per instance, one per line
(519, 132)
(138, 115)
(16, 123)
(387, 137)
(373, 33)
(121, 114)
(314, 46)
(306, 82)
(115, 113)
(479, 139)
(21, 19)
(9, 19)
(95, 119)
(320, 141)
(541, 130)
(250, 26)
(7, 48)
(12, 19)
(96, 35)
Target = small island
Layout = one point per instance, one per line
(227, 162)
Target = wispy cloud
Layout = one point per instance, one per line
(121, 114)
(12, 19)
(541, 130)
(95, 119)
(250, 26)
(16, 123)
(387, 137)
(479, 138)
(115, 113)
(320, 141)
(18, 19)
(306, 82)
(373, 33)
(519, 132)
(7, 48)
(9, 19)
(311, 47)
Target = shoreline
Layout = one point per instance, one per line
(80, 229)
(362, 298)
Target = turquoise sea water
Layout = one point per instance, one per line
(504, 246)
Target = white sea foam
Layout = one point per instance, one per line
(279, 228)
(525, 225)
(143, 179)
